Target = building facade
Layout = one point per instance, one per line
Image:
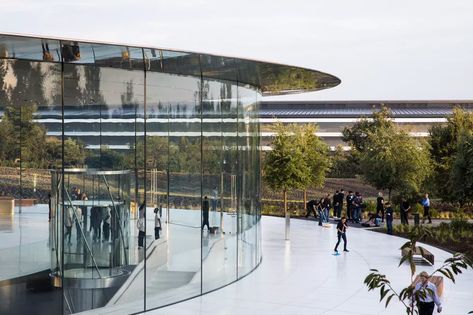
(102, 143)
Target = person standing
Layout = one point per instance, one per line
(389, 218)
(341, 234)
(205, 213)
(320, 212)
(426, 204)
(380, 206)
(350, 205)
(335, 204)
(140, 224)
(214, 198)
(357, 204)
(106, 224)
(157, 224)
(78, 219)
(405, 207)
(326, 205)
(425, 295)
(341, 197)
(68, 220)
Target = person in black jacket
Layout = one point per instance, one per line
(312, 207)
(389, 218)
(341, 234)
(405, 207)
(380, 206)
(350, 198)
(205, 213)
(341, 197)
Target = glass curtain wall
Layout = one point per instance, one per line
(143, 190)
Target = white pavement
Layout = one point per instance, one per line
(302, 276)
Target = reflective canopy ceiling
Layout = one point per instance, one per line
(271, 78)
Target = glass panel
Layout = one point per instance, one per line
(26, 152)
(159, 278)
(247, 181)
(104, 109)
(177, 274)
(219, 250)
(16, 47)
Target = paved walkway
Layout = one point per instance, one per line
(302, 276)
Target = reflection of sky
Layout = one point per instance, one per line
(381, 49)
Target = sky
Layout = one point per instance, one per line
(380, 49)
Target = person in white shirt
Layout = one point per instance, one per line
(140, 224)
(425, 294)
(68, 220)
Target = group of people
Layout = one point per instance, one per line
(100, 219)
(425, 292)
(355, 205)
(321, 207)
(141, 223)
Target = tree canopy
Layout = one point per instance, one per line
(444, 143)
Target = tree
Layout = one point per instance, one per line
(388, 157)
(357, 135)
(315, 154)
(74, 152)
(451, 267)
(21, 138)
(107, 159)
(462, 169)
(393, 159)
(285, 167)
(443, 147)
(342, 164)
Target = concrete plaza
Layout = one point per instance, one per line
(301, 276)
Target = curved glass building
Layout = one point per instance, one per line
(129, 176)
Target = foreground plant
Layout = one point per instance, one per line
(451, 267)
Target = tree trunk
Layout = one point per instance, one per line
(287, 215)
(305, 200)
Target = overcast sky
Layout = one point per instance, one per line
(380, 49)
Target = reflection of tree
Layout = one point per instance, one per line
(107, 159)
(23, 139)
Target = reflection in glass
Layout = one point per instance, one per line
(100, 144)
